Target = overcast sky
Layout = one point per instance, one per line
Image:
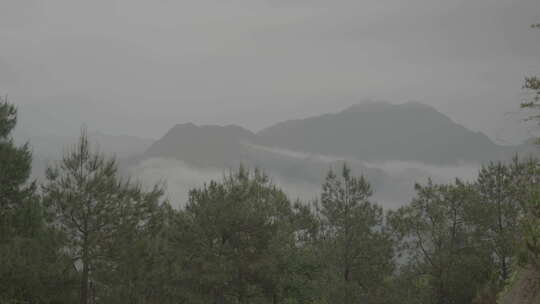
(140, 66)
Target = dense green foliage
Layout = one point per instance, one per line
(90, 235)
(101, 216)
(354, 243)
(33, 267)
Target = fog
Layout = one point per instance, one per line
(178, 178)
(393, 187)
(137, 67)
(465, 171)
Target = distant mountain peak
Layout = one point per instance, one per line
(206, 145)
(184, 125)
(417, 105)
(369, 106)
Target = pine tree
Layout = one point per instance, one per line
(234, 233)
(500, 213)
(446, 260)
(96, 209)
(33, 268)
(15, 168)
(354, 240)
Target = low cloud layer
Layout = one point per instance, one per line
(178, 178)
(467, 172)
(393, 181)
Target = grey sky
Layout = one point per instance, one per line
(140, 66)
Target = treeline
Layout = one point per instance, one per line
(88, 235)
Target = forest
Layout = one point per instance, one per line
(88, 234)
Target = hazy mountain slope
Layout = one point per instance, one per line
(382, 131)
(209, 146)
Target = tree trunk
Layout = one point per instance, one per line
(84, 283)
(219, 298)
(504, 267)
(346, 279)
(85, 272)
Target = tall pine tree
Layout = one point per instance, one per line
(96, 209)
(356, 247)
(33, 268)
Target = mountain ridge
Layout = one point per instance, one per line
(372, 131)
(382, 131)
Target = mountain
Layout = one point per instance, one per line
(209, 146)
(381, 131)
(369, 132)
(394, 146)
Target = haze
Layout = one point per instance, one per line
(139, 67)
